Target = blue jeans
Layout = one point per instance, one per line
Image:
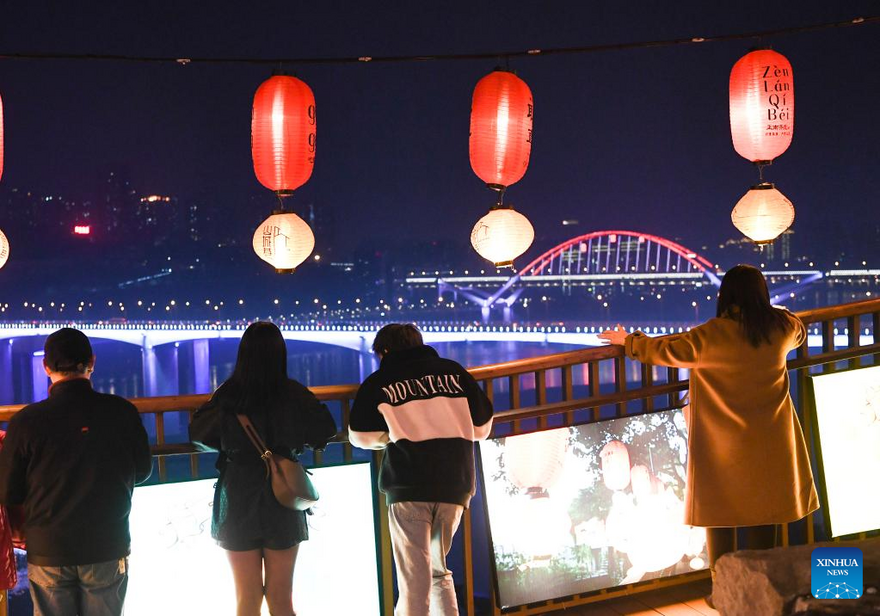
(87, 590)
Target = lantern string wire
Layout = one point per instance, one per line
(494, 55)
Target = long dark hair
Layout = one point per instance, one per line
(744, 297)
(259, 379)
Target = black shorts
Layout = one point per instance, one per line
(247, 545)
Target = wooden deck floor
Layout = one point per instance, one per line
(687, 600)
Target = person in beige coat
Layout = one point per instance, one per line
(748, 464)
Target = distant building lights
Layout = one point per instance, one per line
(82, 229)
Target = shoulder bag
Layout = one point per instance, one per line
(290, 480)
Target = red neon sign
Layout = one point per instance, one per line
(82, 229)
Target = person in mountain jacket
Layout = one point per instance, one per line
(426, 412)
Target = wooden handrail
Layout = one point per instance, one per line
(840, 311)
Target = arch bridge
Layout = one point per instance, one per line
(600, 256)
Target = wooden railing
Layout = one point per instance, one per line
(567, 389)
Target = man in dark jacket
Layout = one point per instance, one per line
(72, 461)
(426, 412)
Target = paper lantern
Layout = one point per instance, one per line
(535, 461)
(284, 240)
(502, 235)
(283, 133)
(501, 129)
(763, 213)
(644, 483)
(546, 530)
(4, 249)
(615, 465)
(761, 105)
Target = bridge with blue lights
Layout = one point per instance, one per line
(160, 342)
(615, 258)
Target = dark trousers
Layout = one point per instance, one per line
(720, 541)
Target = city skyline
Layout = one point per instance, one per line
(638, 137)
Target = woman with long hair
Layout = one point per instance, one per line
(748, 464)
(261, 537)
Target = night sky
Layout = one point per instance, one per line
(637, 139)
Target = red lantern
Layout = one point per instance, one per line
(761, 105)
(535, 461)
(283, 133)
(644, 483)
(615, 465)
(501, 129)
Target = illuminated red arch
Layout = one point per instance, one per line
(537, 266)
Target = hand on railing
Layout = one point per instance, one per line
(616, 336)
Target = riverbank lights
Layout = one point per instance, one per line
(502, 235)
(283, 125)
(535, 461)
(501, 129)
(614, 458)
(284, 240)
(763, 213)
(761, 105)
(4, 249)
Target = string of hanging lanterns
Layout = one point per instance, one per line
(762, 127)
(500, 144)
(283, 139)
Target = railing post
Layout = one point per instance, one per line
(468, 549)
(7, 385)
(802, 374)
(386, 580)
(541, 394)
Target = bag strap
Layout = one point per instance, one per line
(254, 437)
(262, 449)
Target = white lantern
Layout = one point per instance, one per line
(502, 235)
(4, 249)
(284, 240)
(763, 213)
(535, 461)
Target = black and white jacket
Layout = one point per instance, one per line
(426, 412)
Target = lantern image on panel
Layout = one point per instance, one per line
(535, 463)
(501, 129)
(283, 125)
(761, 105)
(502, 235)
(644, 483)
(4, 249)
(284, 240)
(614, 457)
(763, 213)
(546, 530)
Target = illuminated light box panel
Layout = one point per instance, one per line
(847, 420)
(176, 568)
(580, 509)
